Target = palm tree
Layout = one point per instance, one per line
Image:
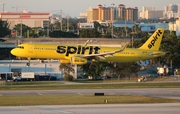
(68, 71)
(4, 28)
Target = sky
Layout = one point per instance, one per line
(74, 7)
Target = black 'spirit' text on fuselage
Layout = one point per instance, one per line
(77, 50)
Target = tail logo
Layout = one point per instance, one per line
(155, 38)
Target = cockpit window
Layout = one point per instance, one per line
(21, 47)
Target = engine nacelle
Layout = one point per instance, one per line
(78, 60)
(64, 61)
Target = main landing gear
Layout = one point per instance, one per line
(28, 63)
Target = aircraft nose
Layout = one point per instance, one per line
(13, 52)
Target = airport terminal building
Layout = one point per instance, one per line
(31, 19)
(16, 67)
(38, 67)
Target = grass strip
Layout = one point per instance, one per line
(78, 99)
(47, 86)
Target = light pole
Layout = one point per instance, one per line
(21, 25)
(3, 5)
(17, 7)
(125, 27)
(112, 19)
(48, 29)
(67, 23)
(61, 19)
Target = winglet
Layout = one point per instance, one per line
(86, 42)
(122, 49)
(153, 43)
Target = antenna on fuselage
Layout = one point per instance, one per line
(90, 41)
(86, 42)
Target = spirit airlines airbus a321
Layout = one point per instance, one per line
(80, 54)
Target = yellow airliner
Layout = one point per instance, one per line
(81, 54)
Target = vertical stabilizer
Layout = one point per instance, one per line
(153, 43)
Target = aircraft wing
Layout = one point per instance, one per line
(102, 55)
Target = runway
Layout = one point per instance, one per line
(173, 93)
(162, 108)
(159, 108)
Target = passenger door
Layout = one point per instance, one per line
(140, 54)
(31, 48)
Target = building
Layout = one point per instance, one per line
(122, 23)
(132, 14)
(39, 67)
(85, 25)
(142, 14)
(135, 14)
(148, 8)
(48, 67)
(151, 27)
(153, 14)
(82, 16)
(172, 26)
(177, 27)
(178, 10)
(31, 19)
(100, 14)
(121, 11)
(171, 11)
(92, 15)
(129, 14)
(111, 14)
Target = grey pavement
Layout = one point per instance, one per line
(160, 108)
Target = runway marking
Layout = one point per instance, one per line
(39, 93)
(80, 94)
(112, 93)
(61, 111)
(64, 112)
